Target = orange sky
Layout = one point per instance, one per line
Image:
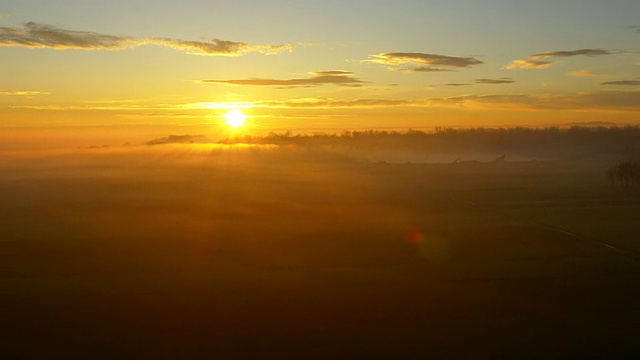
(136, 70)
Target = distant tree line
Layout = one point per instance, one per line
(549, 142)
(627, 172)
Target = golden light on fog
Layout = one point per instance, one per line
(235, 118)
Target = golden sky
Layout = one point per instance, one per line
(153, 67)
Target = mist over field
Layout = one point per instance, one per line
(321, 245)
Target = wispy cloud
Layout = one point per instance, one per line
(495, 81)
(216, 47)
(588, 73)
(3, 15)
(543, 64)
(107, 106)
(529, 64)
(635, 28)
(23, 93)
(609, 100)
(623, 83)
(421, 62)
(335, 77)
(138, 106)
(597, 101)
(331, 73)
(337, 103)
(35, 35)
(457, 84)
(568, 53)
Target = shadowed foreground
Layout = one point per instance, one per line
(183, 252)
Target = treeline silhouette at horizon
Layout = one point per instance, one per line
(548, 142)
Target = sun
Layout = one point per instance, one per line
(235, 118)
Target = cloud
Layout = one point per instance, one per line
(529, 64)
(421, 69)
(421, 62)
(34, 35)
(623, 83)
(335, 77)
(494, 81)
(635, 28)
(583, 73)
(107, 106)
(543, 64)
(3, 15)
(335, 103)
(608, 100)
(581, 52)
(23, 93)
(331, 73)
(178, 139)
(588, 73)
(456, 84)
(602, 101)
(216, 47)
(599, 101)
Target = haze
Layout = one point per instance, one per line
(335, 179)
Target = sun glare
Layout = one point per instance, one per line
(235, 118)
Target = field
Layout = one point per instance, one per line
(197, 251)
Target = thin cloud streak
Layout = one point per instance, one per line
(332, 73)
(564, 53)
(529, 64)
(38, 36)
(600, 101)
(335, 103)
(543, 64)
(35, 36)
(335, 77)
(611, 100)
(494, 81)
(128, 106)
(421, 62)
(588, 73)
(603, 101)
(623, 83)
(23, 93)
(216, 47)
(421, 69)
(583, 73)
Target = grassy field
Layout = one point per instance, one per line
(186, 252)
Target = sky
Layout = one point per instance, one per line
(141, 68)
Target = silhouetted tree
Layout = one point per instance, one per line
(626, 173)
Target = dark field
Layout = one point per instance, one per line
(181, 251)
